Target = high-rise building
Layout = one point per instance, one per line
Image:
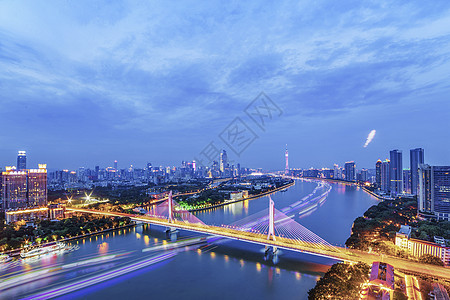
(327, 173)
(364, 175)
(378, 173)
(14, 188)
(350, 171)
(115, 165)
(396, 172)
(434, 191)
(425, 189)
(23, 188)
(21, 160)
(97, 172)
(37, 186)
(337, 172)
(386, 176)
(223, 161)
(407, 181)
(416, 158)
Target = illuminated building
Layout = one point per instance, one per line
(382, 274)
(21, 160)
(53, 211)
(235, 196)
(419, 248)
(97, 171)
(396, 172)
(327, 173)
(416, 158)
(223, 161)
(378, 173)
(350, 171)
(434, 191)
(337, 172)
(115, 165)
(439, 291)
(37, 186)
(364, 175)
(14, 189)
(386, 176)
(407, 181)
(23, 188)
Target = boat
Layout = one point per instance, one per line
(4, 258)
(43, 250)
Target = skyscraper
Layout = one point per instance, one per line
(14, 188)
(37, 186)
(434, 191)
(22, 160)
(223, 161)
(396, 172)
(378, 173)
(24, 188)
(364, 175)
(407, 181)
(115, 165)
(386, 176)
(337, 172)
(424, 189)
(350, 171)
(416, 158)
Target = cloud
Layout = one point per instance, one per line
(157, 68)
(370, 138)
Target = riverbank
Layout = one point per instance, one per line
(374, 232)
(351, 183)
(16, 252)
(376, 195)
(286, 186)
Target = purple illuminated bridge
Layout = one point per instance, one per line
(270, 228)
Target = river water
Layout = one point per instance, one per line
(130, 263)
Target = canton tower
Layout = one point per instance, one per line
(286, 171)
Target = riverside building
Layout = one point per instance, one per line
(434, 192)
(23, 188)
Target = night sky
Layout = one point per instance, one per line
(83, 83)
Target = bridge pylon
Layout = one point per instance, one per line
(271, 234)
(170, 207)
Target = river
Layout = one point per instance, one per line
(113, 265)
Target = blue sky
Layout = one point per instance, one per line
(86, 82)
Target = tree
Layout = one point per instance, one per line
(342, 281)
(430, 259)
(398, 295)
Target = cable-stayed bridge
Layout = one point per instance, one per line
(270, 228)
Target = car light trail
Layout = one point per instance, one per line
(42, 273)
(100, 278)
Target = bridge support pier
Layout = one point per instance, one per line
(172, 233)
(171, 230)
(270, 251)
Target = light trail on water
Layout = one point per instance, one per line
(102, 277)
(13, 281)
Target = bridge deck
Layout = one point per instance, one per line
(334, 252)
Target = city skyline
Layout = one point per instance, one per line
(405, 161)
(106, 85)
(293, 149)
